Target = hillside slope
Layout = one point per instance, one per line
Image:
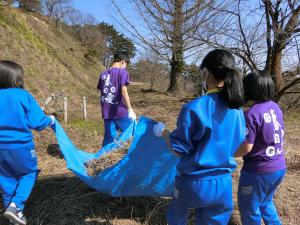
(53, 60)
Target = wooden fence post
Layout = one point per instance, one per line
(66, 109)
(48, 100)
(84, 108)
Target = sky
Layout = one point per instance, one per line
(104, 11)
(100, 9)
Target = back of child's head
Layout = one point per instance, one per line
(121, 56)
(11, 75)
(221, 64)
(258, 86)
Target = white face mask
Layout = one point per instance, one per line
(204, 77)
(204, 86)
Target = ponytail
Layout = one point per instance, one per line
(232, 92)
(221, 64)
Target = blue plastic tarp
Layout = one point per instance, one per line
(148, 169)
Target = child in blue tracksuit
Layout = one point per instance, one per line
(19, 113)
(262, 151)
(209, 131)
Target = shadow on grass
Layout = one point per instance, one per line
(67, 201)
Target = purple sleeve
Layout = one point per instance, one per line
(124, 78)
(250, 127)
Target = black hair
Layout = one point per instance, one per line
(121, 56)
(258, 86)
(11, 75)
(221, 64)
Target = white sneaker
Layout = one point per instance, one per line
(15, 215)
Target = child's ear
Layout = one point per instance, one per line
(204, 73)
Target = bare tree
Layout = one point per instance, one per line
(73, 17)
(84, 28)
(170, 24)
(260, 34)
(30, 5)
(152, 70)
(58, 10)
(53, 7)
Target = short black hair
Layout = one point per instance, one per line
(11, 75)
(258, 86)
(221, 64)
(121, 56)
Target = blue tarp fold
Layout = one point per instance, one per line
(148, 169)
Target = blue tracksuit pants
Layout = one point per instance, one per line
(211, 197)
(255, 197)
(18, 172)
(112, 126)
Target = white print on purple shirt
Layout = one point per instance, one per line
(108, 91)
(107, 81)
(278, 137)
(267, 118)
(270, 151)
(275, 122)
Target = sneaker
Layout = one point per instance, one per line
(15, 215)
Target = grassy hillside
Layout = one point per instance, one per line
(53, 60)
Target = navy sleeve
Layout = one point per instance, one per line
(188, 133)
(36, 118)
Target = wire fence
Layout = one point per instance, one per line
(57, 104)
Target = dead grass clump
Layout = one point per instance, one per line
(293, 163)
(54, 150)
(109, 159)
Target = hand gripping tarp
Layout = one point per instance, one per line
(148, 169)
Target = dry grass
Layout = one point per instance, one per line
(109, 159)
(59, 198)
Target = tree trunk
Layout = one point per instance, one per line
(176, 70)
(276, 71)
(177, 45)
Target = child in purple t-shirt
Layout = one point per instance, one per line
(262, 151)
(115, 104)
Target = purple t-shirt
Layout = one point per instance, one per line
(110, 84)
(265, 130)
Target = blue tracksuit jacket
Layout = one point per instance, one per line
(207, 135)
(19, 113)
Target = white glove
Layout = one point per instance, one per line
(131, 114)
(158, 129)
(53, 119)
